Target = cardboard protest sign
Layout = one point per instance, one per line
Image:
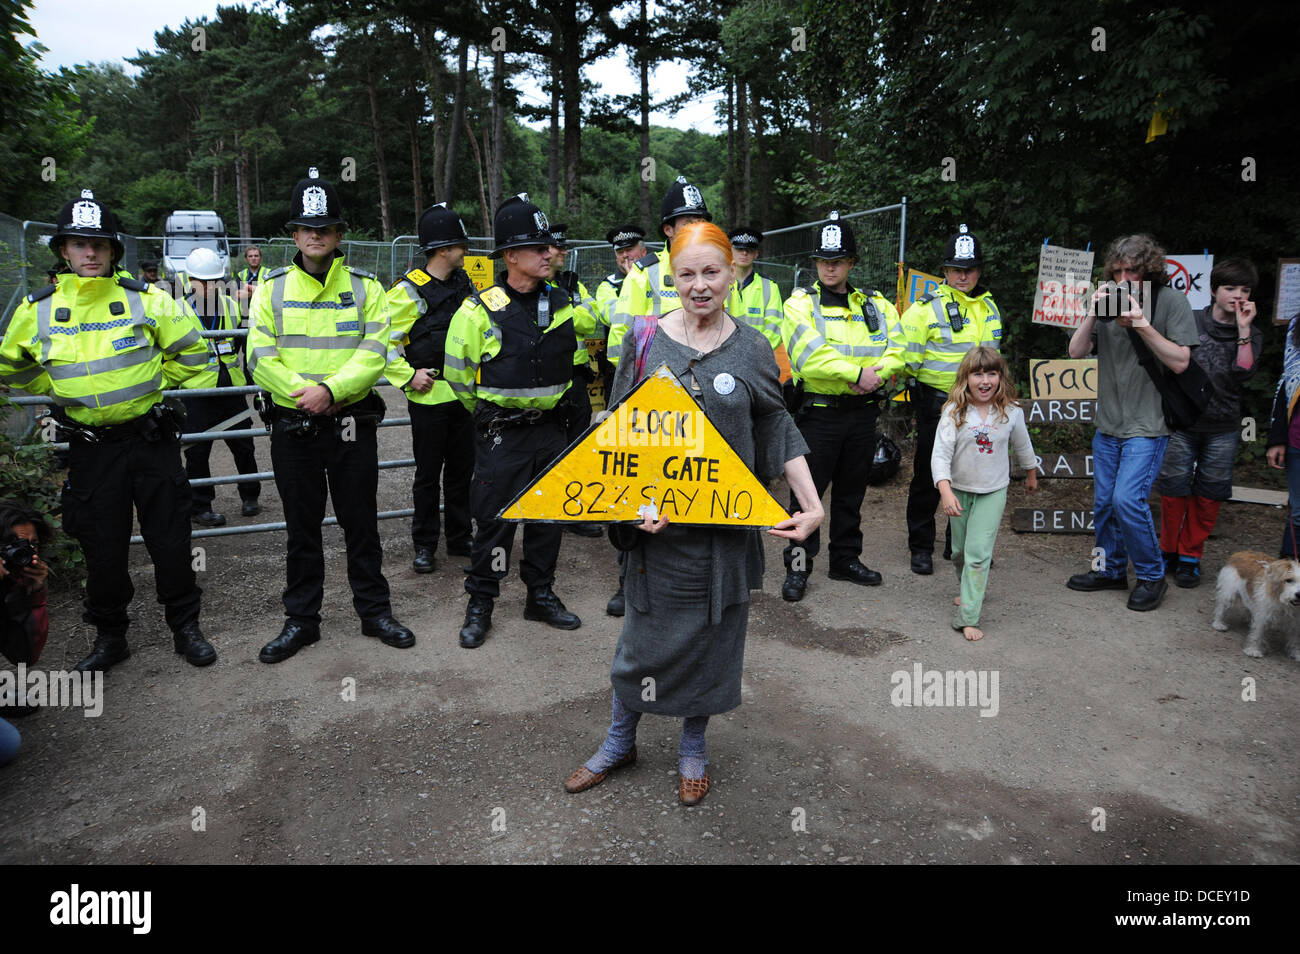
(918, 283)
(1053, 379)
(1190, 274)
(657, 453)
(1064, 285)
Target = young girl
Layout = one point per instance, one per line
(970, 464)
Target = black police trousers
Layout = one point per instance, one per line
(442, 438)
(305, 467)
(922, 495)
(501, 471)
(104, 480)
(201, 414)
(841, 441)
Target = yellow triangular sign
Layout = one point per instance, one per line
(656, 450)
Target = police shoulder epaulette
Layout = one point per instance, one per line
(928, 297)
(134, 284)
(612, 278)
(802, 290)
(646, 261)
(493, 298)
(277, 272)
(43, 292)
(362, 272)
(417, 276)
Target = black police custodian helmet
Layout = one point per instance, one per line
(87, 217)
(518, 223)
(315, 203)
(683, 198)
(835, 239)
(625, 236)
(963, 250)
(745, 236)
(440, 226)
(559, 236)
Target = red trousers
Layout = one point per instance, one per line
(1185, 524)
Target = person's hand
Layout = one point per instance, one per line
(799, 526)
(1245, 311)
(868, 380)
(34, 576)
(315, 399)
(1031, 481)
(421, 381)
(1132, 316)
(652, 526)
(1276, 456)
(950, 504)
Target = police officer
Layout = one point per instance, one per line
(755, 299)
(101, 346)
(844, 344)
(510, 356)
(941, 327)
(149, 271)
(248, 277)
(216, 311)
(648, 287)
(420, 306)
(628, 242)
(318, 342)
(586, 325)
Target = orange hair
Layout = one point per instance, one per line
(700, 233)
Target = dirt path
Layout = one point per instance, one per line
(449, 755)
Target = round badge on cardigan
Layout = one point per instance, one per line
(724, 383)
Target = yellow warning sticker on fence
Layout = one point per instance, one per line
(657, 454)
(479, 269)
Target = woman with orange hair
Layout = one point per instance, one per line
(687, 588)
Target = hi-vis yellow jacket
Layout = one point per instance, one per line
(302, 332)
(647, 290)
(497, 352)
(829, 345)
(101, 347)
(405, 307)
(225, 350)
(934, 347)
(758, 303)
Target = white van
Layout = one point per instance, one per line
(188, 229)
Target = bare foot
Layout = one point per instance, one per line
(972, 633)
(956, 601)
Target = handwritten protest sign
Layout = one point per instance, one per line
(1064, 284)
(657, 453)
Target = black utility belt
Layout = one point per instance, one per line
(812, 399)
(160, 422)
(292, 422)
(492, 419)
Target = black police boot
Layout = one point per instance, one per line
(855, 571)
(922, 562)
(389, 632)
(208, 519)
(110, 649)
(616, 605)
(1092, 580)
(250, 508)
(424, 561)
(545, 607)
(189, 642)
(478, 620)
(292, 638)
(796, 582)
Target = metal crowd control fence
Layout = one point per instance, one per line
(223, 434)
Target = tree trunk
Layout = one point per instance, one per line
(764, 175)
(381, 167)
(496, 155)
(433, 78)
(553, 155)
(417, 183)
(742, 144)
(241, 193)
(730, 199)
(457, 120)
(644, 58)
(257, 174)
(571, 93)
(478, 169)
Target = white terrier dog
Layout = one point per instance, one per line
(1270, 591)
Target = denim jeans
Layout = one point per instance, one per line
(1124, 468)
(1199, 464)
(1291, 532)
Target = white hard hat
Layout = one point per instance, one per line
(204, 264)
